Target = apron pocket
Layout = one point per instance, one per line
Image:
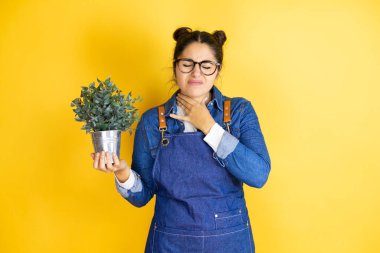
(169, 240)
(236, 241)
(228, 219)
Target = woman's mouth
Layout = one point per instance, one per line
(195, 82)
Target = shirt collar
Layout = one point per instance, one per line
(171, 104)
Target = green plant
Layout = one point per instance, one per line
(103, 107)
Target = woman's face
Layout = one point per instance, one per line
(195, 84)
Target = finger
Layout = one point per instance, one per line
(175, 116)
(115, 159)
(183, 118)
(204, 100)
(96, 160)
(109, 165)
(92, 156)
(186, 98)
(183, 106)
(184, 102)
(101, 161)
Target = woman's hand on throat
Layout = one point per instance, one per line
(196, 113)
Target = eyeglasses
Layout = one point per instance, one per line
(187, 65)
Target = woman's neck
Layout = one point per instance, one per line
(201, 98)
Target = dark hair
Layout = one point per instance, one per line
(185, 36)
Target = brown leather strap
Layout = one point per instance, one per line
(161, 118)
(227, 111)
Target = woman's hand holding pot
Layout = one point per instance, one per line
(120, 168)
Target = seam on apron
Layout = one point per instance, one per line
(202, 235)
(154, 233)
(203, 244)
(250, 240)
(216, 218)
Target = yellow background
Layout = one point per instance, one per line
(310, 68)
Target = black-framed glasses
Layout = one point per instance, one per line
(187, 65)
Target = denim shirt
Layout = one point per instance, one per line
(242, 151)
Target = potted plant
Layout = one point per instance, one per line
(106, 113)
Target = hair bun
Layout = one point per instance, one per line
(180, 32)
(220, 37)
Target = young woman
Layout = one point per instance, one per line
(194, 153)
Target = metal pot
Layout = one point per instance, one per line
(108, 141)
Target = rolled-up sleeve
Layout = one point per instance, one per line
(130, 181)
(246, 158)
(141, 191)
(214, 137)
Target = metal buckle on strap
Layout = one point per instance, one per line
(228, 126)
(164, 140)
(227, 114)
(162, 125)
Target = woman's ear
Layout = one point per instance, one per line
(174, 77)
(218, 71)
(217, 75)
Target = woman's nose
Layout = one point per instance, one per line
(197, 70)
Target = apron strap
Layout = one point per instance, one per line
(162, 124)
(227, 113)
(161, 118)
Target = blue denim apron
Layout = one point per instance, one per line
(200, 206)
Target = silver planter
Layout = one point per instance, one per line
(108, 141)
